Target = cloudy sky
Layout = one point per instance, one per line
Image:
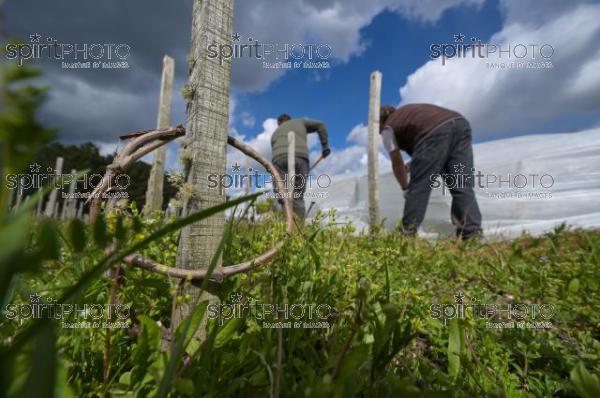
(393, 36)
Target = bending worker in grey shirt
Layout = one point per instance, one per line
(439, 142)
(279, 146)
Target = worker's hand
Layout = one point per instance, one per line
(326, 152)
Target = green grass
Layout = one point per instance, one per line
(382, 339)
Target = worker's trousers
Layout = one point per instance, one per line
(445, 154)
(300, 181)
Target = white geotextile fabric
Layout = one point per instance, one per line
(571, 159)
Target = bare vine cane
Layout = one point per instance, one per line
(145, 142)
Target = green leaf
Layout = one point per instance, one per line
(77, 235)
(354, 360)
(96, 271)
(227, 331)
(456, 347)
(586, 384)
(62, 388)
(120, 231)
(315, 256)
(42, 377)
(192, 347)
(185, 386)
(191, 323)
(100, 232)
(14, 236)
(136, 224)
(48, 241)
(573, 286)
(149, 342)
(125, 378)
(152, 332)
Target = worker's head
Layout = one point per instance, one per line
(384, 112)
(284, 117)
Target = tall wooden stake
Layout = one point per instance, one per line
(51, 204)
(205, 146)
(69, 209)
(19, 193)
(248, 186)
(154, 191)
(38, 211)
(11, 197)
(291, 163)
(373, 150)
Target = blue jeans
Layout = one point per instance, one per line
(446, 150)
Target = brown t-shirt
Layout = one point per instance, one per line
(411, 123)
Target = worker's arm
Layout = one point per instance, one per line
(318, 126)
(399, 168)
(390, 144)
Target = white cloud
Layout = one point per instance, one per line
(333, 22)
(429, 10)
(248, 120)
(261, 143)
(358, 135)
(107, 148)
(499, 100)
(232, 116)
(353, 158)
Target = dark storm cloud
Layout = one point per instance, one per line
(98, 104)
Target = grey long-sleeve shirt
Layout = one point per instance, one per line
(301, 127)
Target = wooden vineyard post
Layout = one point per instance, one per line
(154, 191)
(70, 203)
(51, 204)
(373, 148)
(205, 145)
(291, 163)
(248, 185)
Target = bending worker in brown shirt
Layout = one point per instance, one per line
(439, 143)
